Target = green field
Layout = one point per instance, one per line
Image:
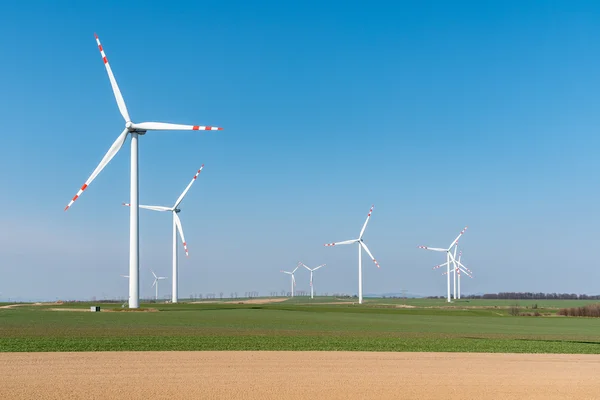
(301, 324)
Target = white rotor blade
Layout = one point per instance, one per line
(362, 231)
(322, 265)
(188, 187)
(293, 280)
(125, 276)
(154, 274)
(432, 248)
(441, 265)
(285, 272)
(154, 283)
(163, 126)
(460, 265)
(466, 273)
(162, 277)
(364, 246)
(153, 208)
(180, 229)
(295, 269)
(338, 243)
(304, 265)
(458, 237)
(114, 149)
(113, 83)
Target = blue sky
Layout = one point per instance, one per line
(442, 114)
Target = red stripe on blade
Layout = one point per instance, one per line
(195, 127)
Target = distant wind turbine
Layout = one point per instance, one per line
(292, 275)
(176, 227)
(156, 279)
(450, 258)
(361, 245)
(311, 276)
(457, 271)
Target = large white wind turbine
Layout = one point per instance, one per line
(176, 227)
(311, 276)
(361, 245)
(293, 278)
(156, 279)
(450, 258)
(134, 130)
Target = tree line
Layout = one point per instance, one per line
(526, 296)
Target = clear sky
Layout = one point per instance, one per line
(442, 114)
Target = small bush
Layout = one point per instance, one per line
(514, 310)
(591, 310)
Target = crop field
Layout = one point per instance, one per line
(412, 325)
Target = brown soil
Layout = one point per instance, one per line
(31, 304)
(297, 375)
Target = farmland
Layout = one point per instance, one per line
(412, 325)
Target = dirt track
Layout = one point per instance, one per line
(297, 375)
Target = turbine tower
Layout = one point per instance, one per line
(176, 227)
(361, 245)
(133, 129)
(311, 276)
(293, 279)
(450, 258)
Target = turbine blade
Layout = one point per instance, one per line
(153, 208)
(304, 265)
(441, 265)
(295, 269)
(322, 265)
(364, 246)
(465, 272)
(460, 265)
(163, 126)
(285, 272)
(114, 149)
(344, 242)
(458, 237)
(432, 248)
(180, 229)
(113, 83)
(154, 274)
(153, 283)
(294, 280)
(188, 187)
(362, 231)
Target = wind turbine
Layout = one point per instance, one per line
(311, 276)
(134, 130)
(176, 227)
(361, 245)
(464, 269)
(449, 258)
(156, 279)
(293, 279)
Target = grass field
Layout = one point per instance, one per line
(301, 324)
